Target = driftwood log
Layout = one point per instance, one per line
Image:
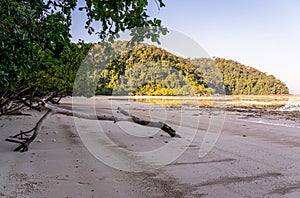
(25, 138)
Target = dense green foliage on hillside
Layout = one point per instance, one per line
(236, 78)
(144, 71)
(239, 79)
(149, 70)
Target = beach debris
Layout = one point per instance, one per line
(166, 128)
(25, 138)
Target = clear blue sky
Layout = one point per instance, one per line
(264, 34)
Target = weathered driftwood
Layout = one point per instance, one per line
(166, 128)
(24, 138)
(27, 137)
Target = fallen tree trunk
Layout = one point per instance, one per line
(27, 137)
(160, 125)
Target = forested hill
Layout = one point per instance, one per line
(149, 70)
(236, 78)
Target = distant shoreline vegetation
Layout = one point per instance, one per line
(149, 70)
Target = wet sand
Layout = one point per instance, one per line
(256, 155)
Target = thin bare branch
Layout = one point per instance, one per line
(25, 142)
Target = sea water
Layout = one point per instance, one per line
(268, 102)
(280, 103)
(293, 104)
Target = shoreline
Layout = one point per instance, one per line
(262, 101)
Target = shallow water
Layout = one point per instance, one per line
(268, 102)
(292, 105)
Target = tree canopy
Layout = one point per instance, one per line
(37, 55)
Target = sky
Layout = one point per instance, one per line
(264, 34)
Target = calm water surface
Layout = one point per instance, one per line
(270, 102)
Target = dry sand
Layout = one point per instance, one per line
(257, 155)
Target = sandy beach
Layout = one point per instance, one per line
(256, 155)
